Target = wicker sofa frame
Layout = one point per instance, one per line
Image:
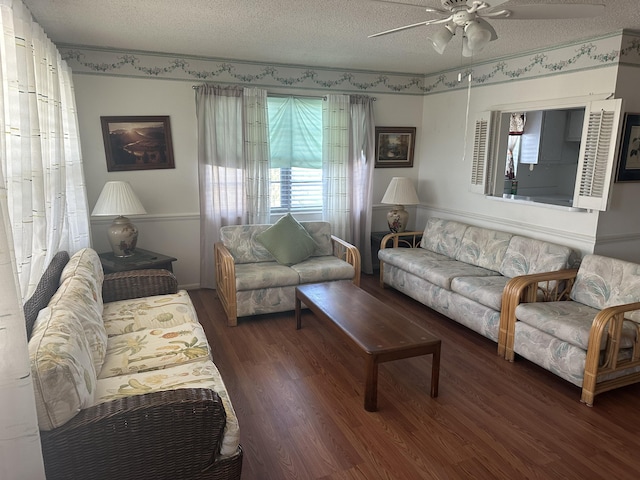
(134, 437)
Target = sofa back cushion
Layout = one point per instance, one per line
(47, 286)
(604, 282)
(443, 236)
(242, 242)
(80, 292)
(528, 255)
(483, 247)
(64, 377)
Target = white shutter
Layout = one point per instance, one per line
(481, 148)
(597, 154)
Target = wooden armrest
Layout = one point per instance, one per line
(138, 283)
(399, 240)
(226, 282)
(546, 286)
(135, 434)
(349, 253)
(609, 321)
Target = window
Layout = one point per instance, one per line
(295, 144)
(590, 179)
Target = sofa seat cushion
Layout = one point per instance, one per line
(442, 274)
(528, 255)
(64, 378)
(323, 269)
(485, 290)
(200, 374)
(255, 276)
(483, 247)
(407, 256)
(604, 282)
(154, 349)
(567, 321)
(161, 311)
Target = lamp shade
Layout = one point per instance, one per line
(442, 38)
(400, 192)
(118, 198)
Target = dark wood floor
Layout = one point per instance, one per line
(298, 397)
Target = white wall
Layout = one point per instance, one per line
(445, 159)
(170, 196)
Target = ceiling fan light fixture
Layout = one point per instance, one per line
(442, 37)
(477, 36)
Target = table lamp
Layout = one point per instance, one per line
(400, 192)
(118, 198)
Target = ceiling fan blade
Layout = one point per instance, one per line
(550, 11)
(413, 25)
(423, 7)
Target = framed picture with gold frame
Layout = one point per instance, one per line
(395, 147)
(137, 143)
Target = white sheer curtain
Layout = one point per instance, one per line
(232, 164)
(40, 148)
(43, 209)
(361, 161)
(348, 152)
(336, 205)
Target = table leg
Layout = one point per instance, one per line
(298, 312)
(371, 384)
(435, 371)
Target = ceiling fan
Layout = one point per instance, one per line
(469, 16)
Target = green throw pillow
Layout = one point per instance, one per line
(287, 241)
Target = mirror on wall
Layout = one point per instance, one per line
(541, 150)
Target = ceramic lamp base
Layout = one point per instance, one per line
(397, 219)
(123, 236)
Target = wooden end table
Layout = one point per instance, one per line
(379, 332)
(140, 259)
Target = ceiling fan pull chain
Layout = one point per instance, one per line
(466, 119)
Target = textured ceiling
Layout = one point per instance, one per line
(328, 33)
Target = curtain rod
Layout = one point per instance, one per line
(324, 97)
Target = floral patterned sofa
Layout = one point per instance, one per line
(249, 280)
(461, 270)
(124, 379)
(583, 325)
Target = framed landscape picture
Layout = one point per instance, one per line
(137, 143)
(395, 146)
(629, 162)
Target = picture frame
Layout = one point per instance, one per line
(629, 159)
(395, 147)
(137, 143)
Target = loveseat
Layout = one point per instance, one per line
(125, 384)
(254, 279)
(581, 324)
(461, 270)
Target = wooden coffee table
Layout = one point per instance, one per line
(379, 332)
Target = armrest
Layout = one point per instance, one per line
(133, 436)
(400, 239)
(226, 282)
(137, 283)
(609, 321)
(349, 253)
(547, 286)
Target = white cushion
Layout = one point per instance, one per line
(64, 377)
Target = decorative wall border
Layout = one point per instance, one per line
(619, 47)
